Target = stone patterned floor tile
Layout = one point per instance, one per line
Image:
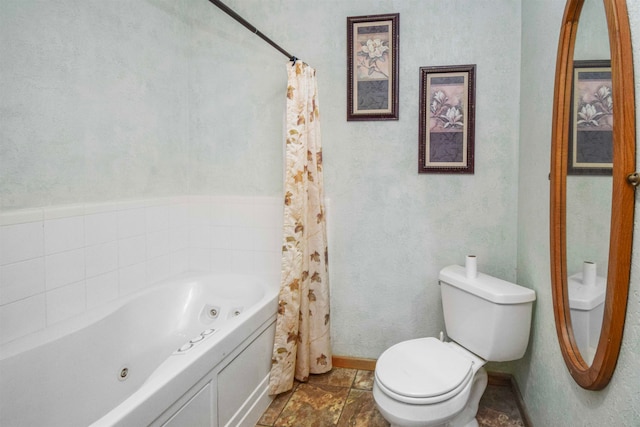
(275, 408)
(340, 377)
(498, 407)
(360, 411)
(364, 380)
(489, 417)
(343, 398)
(313, 405)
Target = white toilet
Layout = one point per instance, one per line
(429, 382)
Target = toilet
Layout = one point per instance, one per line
(432, 382)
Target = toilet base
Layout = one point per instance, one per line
(392, 410)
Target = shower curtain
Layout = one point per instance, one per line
(302, 343)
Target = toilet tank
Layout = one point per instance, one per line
(486, 315)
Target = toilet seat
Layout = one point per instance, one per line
(423, 371)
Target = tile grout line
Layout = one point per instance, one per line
(349, 388)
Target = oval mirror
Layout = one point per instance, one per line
(592, 201)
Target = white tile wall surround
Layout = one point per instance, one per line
(23, 317)
(63, 234)
(102, 289)
(21, 280)
(100, 259)
(64, 268)
(101, 228)
(20, 242)
(59, 261)
(66, 301)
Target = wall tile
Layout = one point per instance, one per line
(178, 238)
(241, 214)
(24, 316)
(200, 259)
(158, 244)
(241, 262)
(20, 242)
(131, 222)
(127, 250)
(158, 269)
(267, 239)
(63, 234)
(179, 261)
(157, 218)
(21, 280)
(132, 278)
(178, 215)
(101, 228)
(201, 237)
(220, 261)
(65, 302)
(201, 214)
(267, 262)
(242, 238)
(64, 268)
(268, 214)
(222, 237)
(102, 289)
(132, 251)
(100, 259)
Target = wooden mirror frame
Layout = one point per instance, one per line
(597, 375)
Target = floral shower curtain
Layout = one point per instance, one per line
(302, 343)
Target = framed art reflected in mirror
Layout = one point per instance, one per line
(591, 134)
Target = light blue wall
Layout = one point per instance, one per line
(551, 395)
(133, 99)
(94, 101)
(391, 229)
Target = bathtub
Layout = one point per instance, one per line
(193, 351)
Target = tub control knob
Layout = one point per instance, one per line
(185, 347)
(196, 339)
(207, 332)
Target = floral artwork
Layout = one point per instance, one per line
(591, 149)
(446, 124)
(372, 67)
(444, 115)
(373, 57)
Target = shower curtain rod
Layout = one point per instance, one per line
(251, 28)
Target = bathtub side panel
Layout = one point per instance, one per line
(240, 378)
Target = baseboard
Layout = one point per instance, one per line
(354, 363)
(507, 380)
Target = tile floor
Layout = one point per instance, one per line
(343, 397)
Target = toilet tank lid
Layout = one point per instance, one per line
(582, 297)
(488, 287)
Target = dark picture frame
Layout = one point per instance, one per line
(447, 119)
(591, 126)
(373, 56)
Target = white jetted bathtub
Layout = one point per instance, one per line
(194, 351)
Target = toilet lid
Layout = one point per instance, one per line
(423, 370)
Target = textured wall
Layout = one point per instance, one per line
(551, 395)
(94, 101)
(392, 229)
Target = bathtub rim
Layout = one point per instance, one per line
(76, 323)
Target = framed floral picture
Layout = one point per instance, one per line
(447, 119)
(591, 128)
(372, 67)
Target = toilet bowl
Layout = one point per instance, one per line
(427, 382)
